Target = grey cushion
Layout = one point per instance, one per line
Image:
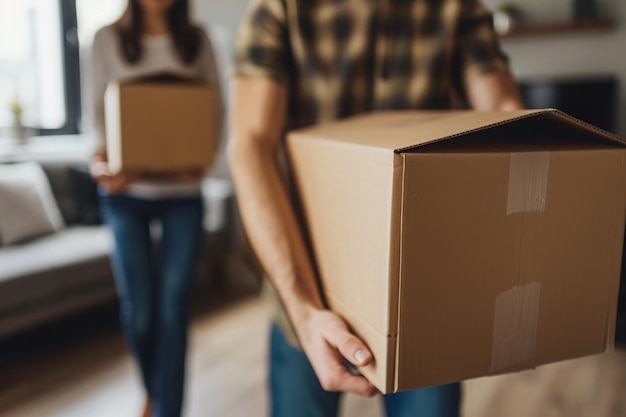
(53, 266)
(27, 206)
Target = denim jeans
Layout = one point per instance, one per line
(154, 291)
(296, 391)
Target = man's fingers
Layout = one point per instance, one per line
(329, 344)
(350, 346)
(358, 385)
(339, 379)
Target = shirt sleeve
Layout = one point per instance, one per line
(208, 63)
(478, 48)
(261, 42)
(99, 79)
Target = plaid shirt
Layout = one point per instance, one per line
(343, 57)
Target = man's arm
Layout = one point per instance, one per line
(482, 71)
(256, 127)
(494, 91)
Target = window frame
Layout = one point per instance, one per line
(71, 71)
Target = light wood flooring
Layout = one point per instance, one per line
(227, 373)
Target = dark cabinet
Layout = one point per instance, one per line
(589, 98)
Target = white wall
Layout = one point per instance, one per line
(221, 18)
(571, 54)
(553, 10)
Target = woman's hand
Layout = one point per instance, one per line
(189, 175)
(112, 183)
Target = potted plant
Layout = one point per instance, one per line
(505, 17)
(20, 132)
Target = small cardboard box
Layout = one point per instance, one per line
(161, 124)
(462, 244)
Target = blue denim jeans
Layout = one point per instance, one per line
(154, 291)
(296, 391)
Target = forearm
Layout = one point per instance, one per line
(256, 127)
(272, 227)
(497, 91)
(510, 102)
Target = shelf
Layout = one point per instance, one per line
(555, 28)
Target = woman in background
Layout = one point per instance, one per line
(152, 37)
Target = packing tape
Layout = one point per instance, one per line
(528, 182)
(515, 327)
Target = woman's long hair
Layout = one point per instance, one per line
(186, 36)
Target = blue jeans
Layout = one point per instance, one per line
(154, 292)
(296, 391)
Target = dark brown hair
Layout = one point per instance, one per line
(186, 36)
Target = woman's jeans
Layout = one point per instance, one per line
(296, 391)
(154, 290)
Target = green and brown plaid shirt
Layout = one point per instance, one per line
(343, 57)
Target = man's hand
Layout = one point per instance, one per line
(326, 340)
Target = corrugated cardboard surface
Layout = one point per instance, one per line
(461, 251)
(351, 191)
(497, 249)
(159, 126)
(348, 205)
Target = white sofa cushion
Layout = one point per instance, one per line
(27, 205)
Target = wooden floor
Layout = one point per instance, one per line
(227, 374)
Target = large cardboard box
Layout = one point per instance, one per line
(463, 244)
(161, 124)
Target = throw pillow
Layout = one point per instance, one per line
(27, 205)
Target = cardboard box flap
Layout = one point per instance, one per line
(409, 130)
(400, 130)
(163, 78)
(547, 126)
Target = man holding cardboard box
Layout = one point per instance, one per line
(304, 62)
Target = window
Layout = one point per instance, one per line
(92, 15)
(39, 66)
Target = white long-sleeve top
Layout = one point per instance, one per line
(159, 56)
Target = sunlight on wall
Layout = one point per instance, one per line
(93, 14)
(31, 67)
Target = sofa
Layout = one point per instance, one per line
(68, 271)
